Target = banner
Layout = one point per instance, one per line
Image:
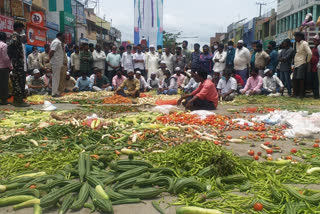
(29, 2)
(148, 21)
(6, 25)
(36, 36)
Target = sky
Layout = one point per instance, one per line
(195, 18)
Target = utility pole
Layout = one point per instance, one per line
(260, 4)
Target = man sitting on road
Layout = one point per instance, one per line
(37, 85)
(143, 83)
(153, 81)
(101, 82)
(69, 83)
(227, 86)
(254, 84)
(84, 83)
(131, 84)
(118, 79)
(272, 85)
(205, 97)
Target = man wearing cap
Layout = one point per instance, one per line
(308, 23)
(139, 61)
(192, 84)
(132, 85)
(161, 71)
(17, 56)
(271, 84)
(56, 55)
(167, 58)
(34, 59)
(242, 61)
(37, 85)
(153, 81)
(143, 84)
(179, 76)
(152, 61)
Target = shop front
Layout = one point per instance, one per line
(67, 26)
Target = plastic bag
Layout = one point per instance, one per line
(165, 109)
(241, 122)
(47, 106)
(203, 114)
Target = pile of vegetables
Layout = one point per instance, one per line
(116, 99)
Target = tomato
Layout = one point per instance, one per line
(293, 151)
(269, 151)
(258, 207)
(216, 142)
(317, 141)
(288, 158)
(315, 145)
(229, 137)
(274, 137)
(270, 158)
(251, 152)
(259, 153)
(256, 157)
(267, 143)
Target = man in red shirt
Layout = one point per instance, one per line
(205, 97)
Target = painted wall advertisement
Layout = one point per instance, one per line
(148, 21)
(6, 25)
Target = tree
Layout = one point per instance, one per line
(170, 39)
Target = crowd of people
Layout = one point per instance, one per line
(216, 73)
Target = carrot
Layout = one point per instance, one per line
(163, 137)
(32, 187)
(117, 152)
(27, 165)
(95, 157)
(65, 137)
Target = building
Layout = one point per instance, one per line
(91, 25)
(232, 31)
(266, 28)
(290, 15)
(80, 21)
(219, 37)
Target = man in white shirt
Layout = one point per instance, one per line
(153, 81)
(192, 84)
(114, 63)
(75, 62)
(143, 84)
(168, 59)
(241, 61)
(227, 86)
(272, 85)
(99, 59)
(139, 59)
(127, 60)
(152, 62)
(219, 60)
(56, 60)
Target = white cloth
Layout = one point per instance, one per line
(242, 59)
(29, 79)
(33, 61)
(221, 65)
(153, 83)
(169, 61)
(271, 83)
(25, 68)
(99, 60)
(58, 56)
(96, 88)
(226, 87)
(127, 61)
(152, 63)
(144, 84)
(138, 56)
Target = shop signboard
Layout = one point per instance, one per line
(36, 36)
(6, 25)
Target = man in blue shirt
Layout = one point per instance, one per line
(273, 56)
(84, 83)
(206, 60)
(230, 55)
(195, 57)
